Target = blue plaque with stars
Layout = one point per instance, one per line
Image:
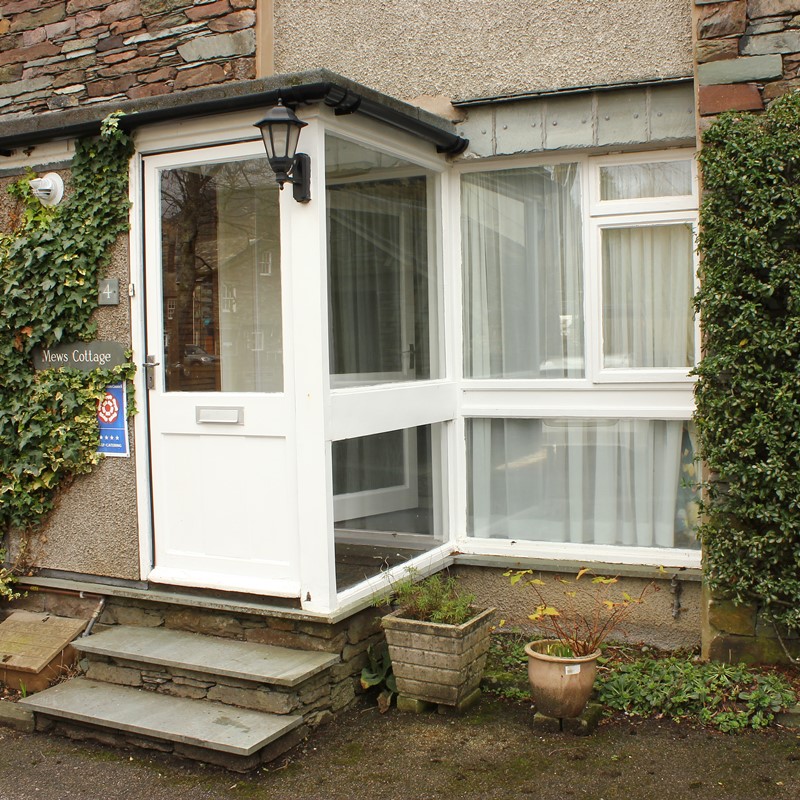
(112, 416)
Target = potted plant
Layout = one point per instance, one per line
(562, 667)
(438, 641)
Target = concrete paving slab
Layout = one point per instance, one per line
(198, 723)
(212, 655)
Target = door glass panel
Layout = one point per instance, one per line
(221, 273)
(381, 282)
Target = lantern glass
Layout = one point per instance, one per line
(280, 130)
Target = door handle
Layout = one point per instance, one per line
(149, 371)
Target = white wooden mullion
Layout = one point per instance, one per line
(308, 301)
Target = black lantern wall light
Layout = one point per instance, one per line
(280, 130)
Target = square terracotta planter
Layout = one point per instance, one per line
(438, 663)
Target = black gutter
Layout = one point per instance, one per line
(341, 94)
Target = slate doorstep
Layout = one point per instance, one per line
(12, 715)
(212, 655)
(206, 725)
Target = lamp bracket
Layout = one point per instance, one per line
(300, 178)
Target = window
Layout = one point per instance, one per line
(579, 337)
(381, 277)
(387, 500)
(219, 221)
(523, 277)
(647, 289)
(586, 481)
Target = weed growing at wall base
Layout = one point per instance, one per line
(726, 696)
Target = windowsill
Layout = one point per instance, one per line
(535, 563)
(626, 382)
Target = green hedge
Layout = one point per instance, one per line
(748, 393)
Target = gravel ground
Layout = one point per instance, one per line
(492, 752)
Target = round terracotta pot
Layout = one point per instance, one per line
(560, 687)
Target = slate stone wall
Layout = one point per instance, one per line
(747, 53)
(63, 53)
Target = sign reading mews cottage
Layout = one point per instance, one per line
(84, 356)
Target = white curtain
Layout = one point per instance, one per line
(603, 481)
(657, 179)
(378, 280)
(599, 481)
(648, 283)
(523, 284)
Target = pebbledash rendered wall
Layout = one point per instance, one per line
(65, 53)
(93, 528)
(459, 49)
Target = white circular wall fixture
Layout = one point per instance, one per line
(49, 189)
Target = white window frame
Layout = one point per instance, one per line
(635, 393)
(598, 207)
(595, 300)
(369, 409)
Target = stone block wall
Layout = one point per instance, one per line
(63, 53)
(740, 633)
(747, 52)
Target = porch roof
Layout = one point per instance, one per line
(304, 88)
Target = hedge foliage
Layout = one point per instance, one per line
(50, 264)
(748, 393)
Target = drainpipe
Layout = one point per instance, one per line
(676, 588)
(101, 604)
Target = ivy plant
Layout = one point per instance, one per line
(748, 390)
(50, 264)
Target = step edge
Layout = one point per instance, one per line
(290, 722)
(204, 669)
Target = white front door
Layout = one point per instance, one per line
(220, 415)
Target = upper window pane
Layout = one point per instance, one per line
(523, 273)
(657, 179)
(648, 284)
(381, 275)
(221, 266)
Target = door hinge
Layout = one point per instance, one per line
(131, 290)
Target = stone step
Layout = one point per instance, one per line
(209, 655)
(205, 725)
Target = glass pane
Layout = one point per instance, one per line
(648, 285)
(598, 481)
(369, 462)
(523, 273)
(386, 503)
(659, 179)
(382, 288)
(221, 266)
